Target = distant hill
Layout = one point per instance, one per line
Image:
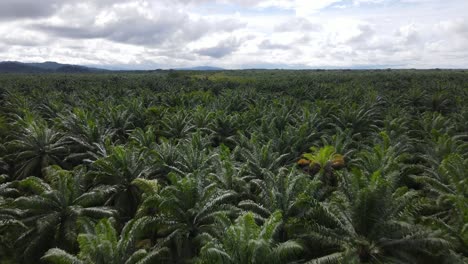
(44, 67)
(201, 68)
(48, 65)
(55, 67)
(16, 67)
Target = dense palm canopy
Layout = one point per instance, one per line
(52, 209)
(246, 242)
(104, 245)
(35, 146)
(234, 167)
(117, 171)
(186, 210)
(369, 221)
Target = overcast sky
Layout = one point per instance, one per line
(237, 33)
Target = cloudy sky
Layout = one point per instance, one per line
(237, 33)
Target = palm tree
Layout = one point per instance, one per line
(4, 126)
(431, 124)
(176, 126)
(203, 118)
(415, 99)
(291, 137)
(150, 196)
(247, 242)
(10, 227)
(144, 138)
(370, 220)
(186, 209)
(53, 210)
(295, 140)
(440, 102)
(323, 161)
(194, 155)
(36, 146)
(120, 119)
(440, 146)
(118, 171)
(383, 156)
(362, 120)
(448, 185)
(343, 142)
(224, 129)
(260, 158)
(103, 245)
(230, 175)
(167, 154)
(4, 167)
(85, 132)
(288, 192)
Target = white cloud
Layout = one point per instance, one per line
(298, 24)
(222, 49)
(301, 7)
(236, 33)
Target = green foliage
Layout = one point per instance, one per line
(323, 161)
(50, 211)
(450, 188)
(104, 245)
(247, 242)
(234, 167)
(371, 220)
(35, 147)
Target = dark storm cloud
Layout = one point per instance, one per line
(222, 49)
(167, 25)
(19, 9)
(133, 28)
(33, 9)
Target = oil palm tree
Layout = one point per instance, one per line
(323, 161)
(415, 99)
(120, 119)
(224, 127)
(370, 220)
(195, 154)
(203, 118)
(167, 154)
(448, 185)
(230, 175)
(440, 146)
(10, 226)
(118, 171)
(36, 146)
(104, 245)
(84, 131)
(186, 209)
(384, 155)
(362, 120)
(144, 138)
(289, 192)
(260, 158)
(4, 167)
(247, 242)
(52, 210)
(176, 126)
